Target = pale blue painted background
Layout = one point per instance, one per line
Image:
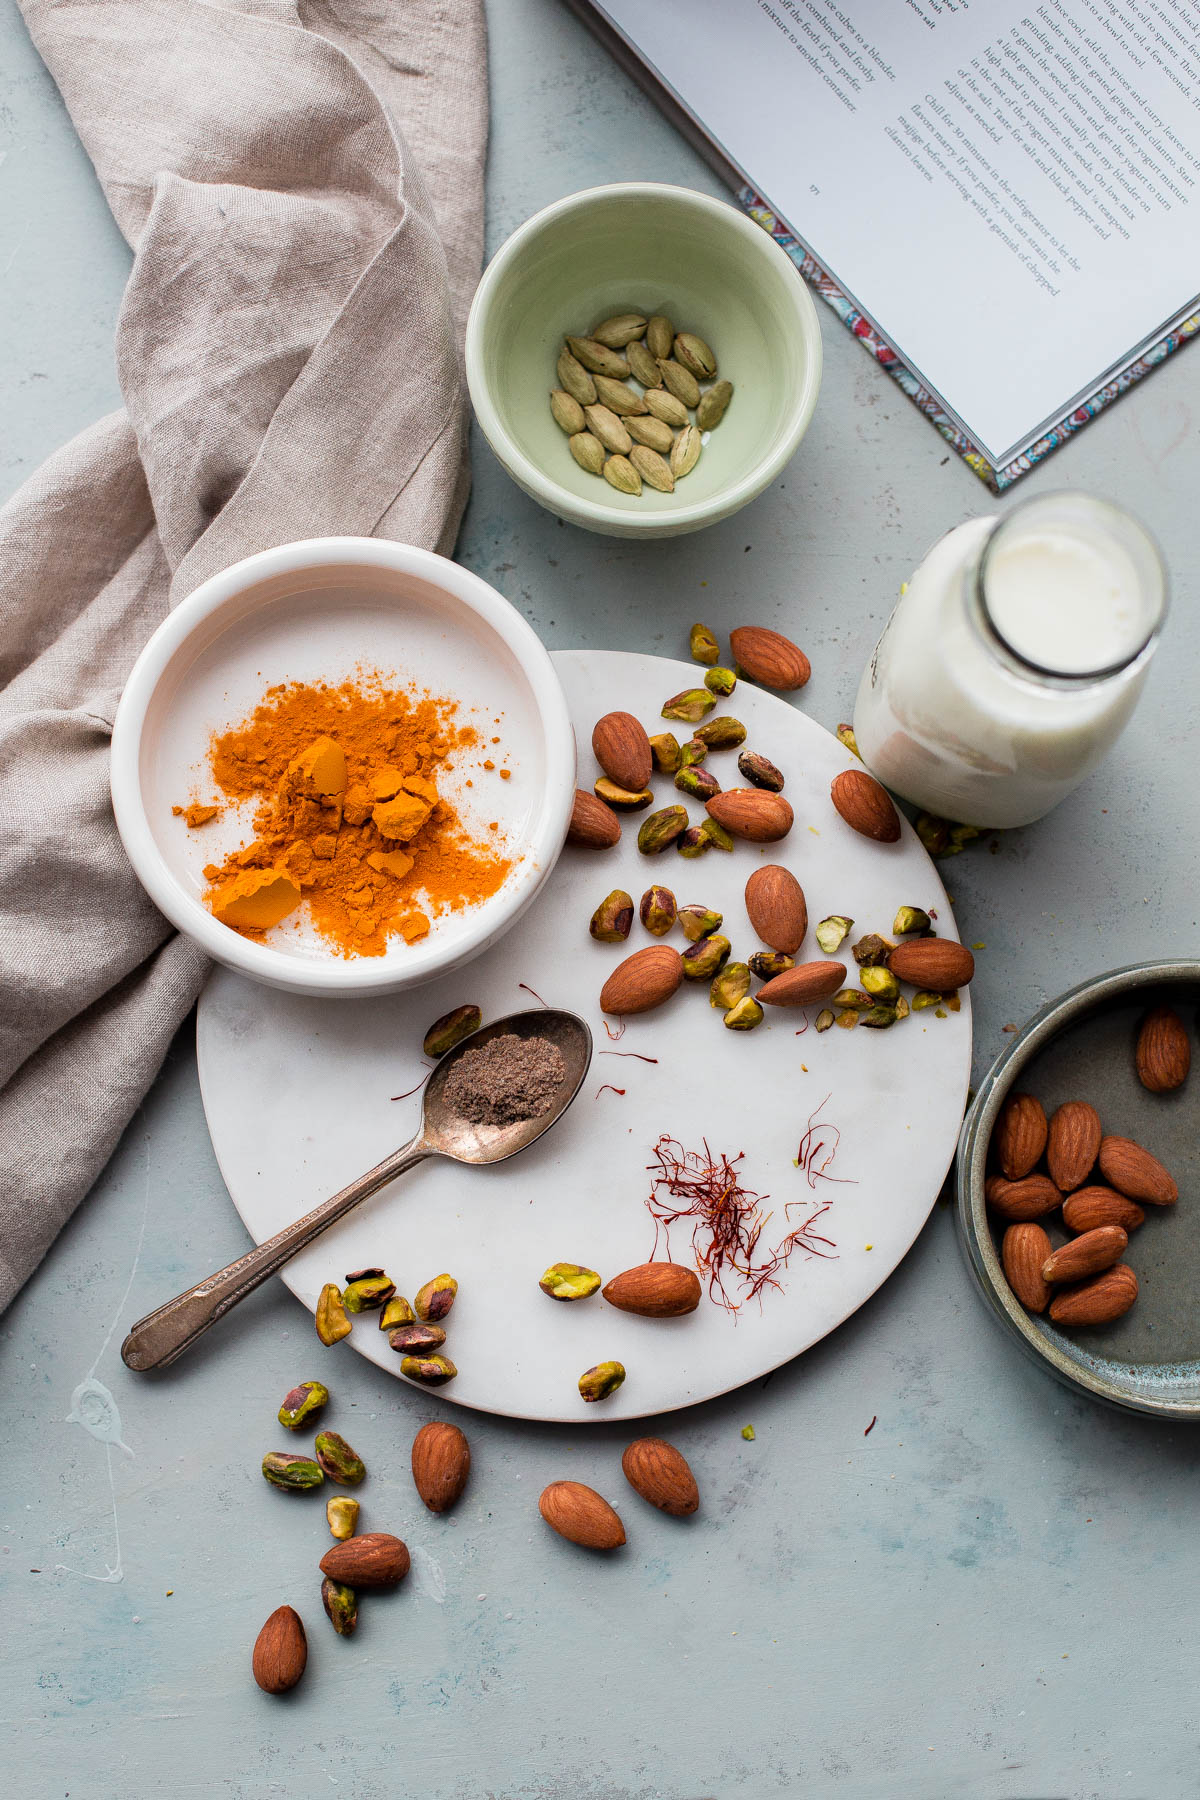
(993, 1596)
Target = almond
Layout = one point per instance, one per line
(1032, 1198)
(752, 813)
(803, 985)
(374, 1560)
(621, 747)
(1024, 1250)
(1073, 1145)
(657, 1290)
(593, 825)
(1163, 1055)
(777, 909)
(1020, 1135)
(1135, 1173)
(936, 963)
(1096, 1302)
(280, 1651)
(1092, 1206)
(582, 1515)
(644, 980)
(769, 658)
(661, 1475)
(1086, 1255)
(866, 807)
(441, 1462)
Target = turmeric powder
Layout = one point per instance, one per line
(350, 819)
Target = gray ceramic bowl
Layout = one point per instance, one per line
(1080, 1047)
(667, 249)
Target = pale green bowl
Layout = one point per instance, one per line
(659, 249)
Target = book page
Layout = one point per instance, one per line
(1009, 192)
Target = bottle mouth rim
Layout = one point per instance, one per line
(1046, 672)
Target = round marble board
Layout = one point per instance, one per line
(298, 1095)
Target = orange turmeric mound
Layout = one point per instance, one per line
(350, 820)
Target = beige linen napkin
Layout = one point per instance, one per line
(301, 182)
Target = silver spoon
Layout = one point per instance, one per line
(173, 1328)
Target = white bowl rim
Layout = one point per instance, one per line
(532, 475)
(338, 975)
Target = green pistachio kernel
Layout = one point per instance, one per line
(880, 982)
(569, 1281)
(702, 645)
(831, 931)
(293, 1473)
(339, 1461)
(745, 1015)
(729, 986)
(698, 922)
(302, 1404)
(603, 1379)
(909, 919)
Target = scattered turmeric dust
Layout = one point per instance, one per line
(350, 820)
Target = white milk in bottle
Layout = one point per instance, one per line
(1013, 660)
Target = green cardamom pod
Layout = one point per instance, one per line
(685, 452)
(620, 473)
(653, 469)
(665, 406)
(575, 380)
(597, 357)
(620, 330)
(567, 411)
(618, 396)
(604, 424)
(588, 452)
(679, 381)
(695, 355)
(644, 429)
(660, 335)
(711, 409)
(642, 366)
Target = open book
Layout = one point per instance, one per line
(1001, 197)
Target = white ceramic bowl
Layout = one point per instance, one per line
(707, 266)
(318, 611)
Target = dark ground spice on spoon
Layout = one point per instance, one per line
(508, 1079)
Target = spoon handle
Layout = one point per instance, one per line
(174, 1327)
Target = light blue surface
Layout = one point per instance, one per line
(992, 1597)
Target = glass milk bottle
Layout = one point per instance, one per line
(1013, 660)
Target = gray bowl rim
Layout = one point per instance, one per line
(974, 1232)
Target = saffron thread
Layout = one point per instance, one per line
(818, 1147)
(608, 1088)
(534, 992)
(414, 1090)
(637, 1053)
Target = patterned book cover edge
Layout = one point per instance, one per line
(996, 478)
